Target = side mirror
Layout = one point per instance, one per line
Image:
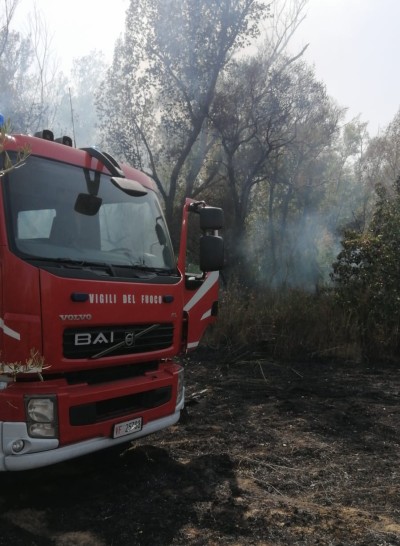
(211, 218)
(211, 253)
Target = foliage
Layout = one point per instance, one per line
(77, 114)
(31, 85)
(155, 101)
(275, 124)
(14, 64)
(367, 276)
(8, 165)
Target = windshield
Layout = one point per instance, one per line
(47, 223)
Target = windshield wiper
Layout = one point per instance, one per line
(110, 268)
(75, 263)
(151, 269)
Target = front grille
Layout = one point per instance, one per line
(88, 414)
(118, 340)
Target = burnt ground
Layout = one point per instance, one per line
(265, 454)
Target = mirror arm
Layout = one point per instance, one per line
(107, 160)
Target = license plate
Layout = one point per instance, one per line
(127, 427)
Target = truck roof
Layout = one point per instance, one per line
(67, 154)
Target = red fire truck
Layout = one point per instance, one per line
(93, 305)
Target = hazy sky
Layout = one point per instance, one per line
(353, 45)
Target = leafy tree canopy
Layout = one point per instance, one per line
(162, 82)
(367, 272)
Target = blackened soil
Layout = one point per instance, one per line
(265, 454)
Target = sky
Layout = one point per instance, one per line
(353, 46)
(76, 27)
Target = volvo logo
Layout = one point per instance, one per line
(129, 339)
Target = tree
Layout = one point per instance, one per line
(274, 122)
(162, 83)
(76, 113)
(30, 82)
(15, 59)
(6, 163)
(6, 16)
(367, 276)
(346, 203)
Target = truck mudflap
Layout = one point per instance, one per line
(47, 452)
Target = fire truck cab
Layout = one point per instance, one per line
(93, 304)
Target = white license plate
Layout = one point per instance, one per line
(127, 427)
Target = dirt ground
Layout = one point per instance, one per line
(266, 454)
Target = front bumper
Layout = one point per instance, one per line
(47, 452)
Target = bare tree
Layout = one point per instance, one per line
(285, 18)
(30, 81)
(6, 16)
(45, 93)
(76, 115)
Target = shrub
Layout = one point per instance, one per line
(367, 278)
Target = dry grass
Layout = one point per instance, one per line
(287, 324)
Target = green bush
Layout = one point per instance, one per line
(359, 318)
(367, 278)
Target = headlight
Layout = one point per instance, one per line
(41, 410)
(41, 416)
(41, 430)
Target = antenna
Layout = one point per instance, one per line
(72, 116)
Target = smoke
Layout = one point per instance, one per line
(300, 256)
